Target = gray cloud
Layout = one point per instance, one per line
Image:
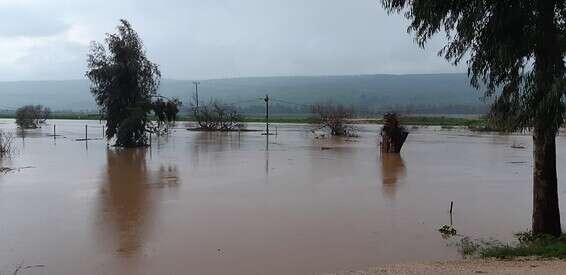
(230, 38)
(29, 22)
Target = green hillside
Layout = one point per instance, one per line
(434, 93)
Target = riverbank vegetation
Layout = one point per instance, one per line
(527, 245)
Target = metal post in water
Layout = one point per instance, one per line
(54, 131)
(86, 132)
(451, 207)
(266, 99)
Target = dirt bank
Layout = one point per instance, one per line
(468, 267)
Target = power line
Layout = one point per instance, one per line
(244, 101)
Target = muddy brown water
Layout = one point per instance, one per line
(211, 203)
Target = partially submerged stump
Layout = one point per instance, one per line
(393, 136)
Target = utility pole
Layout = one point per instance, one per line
(196, 83)
(266, 99)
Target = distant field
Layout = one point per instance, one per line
(475, 123)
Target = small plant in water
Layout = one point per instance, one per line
(468, 247)
(448, 231)
(6, 143)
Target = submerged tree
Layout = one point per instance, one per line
(166, 111)
(6, 143)
(32, 116)
(123, 82)
(334, 117)
(516, 49)
(215, 116)
(393, 135)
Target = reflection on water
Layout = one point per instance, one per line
(167, 176)
(392, 171)
(125, 201)
(4, 163)
(207, 144)
(126, 197)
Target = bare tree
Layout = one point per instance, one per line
(6, 144)
(334, 117)
(216, 116)
(32, 116)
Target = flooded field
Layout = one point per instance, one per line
(212, 203)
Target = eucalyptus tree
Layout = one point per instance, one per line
(123, 82)
(515, 50)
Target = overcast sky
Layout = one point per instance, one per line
(203, 39)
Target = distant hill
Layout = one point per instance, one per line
(431, 93)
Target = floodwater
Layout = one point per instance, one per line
(229, 203)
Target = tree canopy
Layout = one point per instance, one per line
(32, 116)
(123, 82)
(499, 41)
(515, 49)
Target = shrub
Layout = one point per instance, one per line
(6, 143)
(32, 116)
(335, 118)
(215, 116)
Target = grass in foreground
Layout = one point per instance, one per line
(527, 245)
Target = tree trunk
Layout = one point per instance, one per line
(392, 140)
(546, 212)
(548, 67)
(392, 135)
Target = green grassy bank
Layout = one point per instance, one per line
(475, 123)
(526, 245)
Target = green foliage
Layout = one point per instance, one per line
(527, 245)
(166, 111)
(468, 247)
(442, 121)
(32, 116)
(543, 246)
(123, 82)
